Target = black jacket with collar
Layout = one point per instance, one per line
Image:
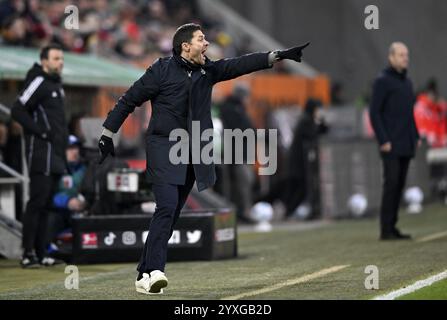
(180, 93)
(391, 112)
(39, 108)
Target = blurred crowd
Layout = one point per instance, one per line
(136, 31)
(430, 112)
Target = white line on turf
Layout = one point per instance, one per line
(434, 236)
(290, 282)
(415, 286)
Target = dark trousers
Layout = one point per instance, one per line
(395, 171)
(295, 194)
(170, 200)
(35, 220)
(292, 191)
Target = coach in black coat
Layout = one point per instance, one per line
(179, 88)
(180, 92)
(391, 113)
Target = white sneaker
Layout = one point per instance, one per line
(157, 282)
(143, 285)
(49, 262)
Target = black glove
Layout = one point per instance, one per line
(106, 147)
(294, 53)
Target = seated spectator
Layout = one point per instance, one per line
(68, 199)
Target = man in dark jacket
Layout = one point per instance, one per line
(391, 113)
(302, 163)
(40, 110)
(241, 176)
(179, 88)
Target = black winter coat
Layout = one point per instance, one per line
(40, 108)
(391, 112)
(179, 93)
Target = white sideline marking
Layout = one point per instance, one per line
(289, 282)
(415, 286)
(433, 237)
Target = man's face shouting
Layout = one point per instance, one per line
(195, 50)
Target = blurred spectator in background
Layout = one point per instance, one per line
(337, 94)
(22, 24)
(14, 31)
(9, 8)
(241, 177)
(302, 162)
(68, 199)
(298, 181)
(430, 114)
(74, 126)
(391, 113)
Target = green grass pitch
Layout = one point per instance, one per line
(266, 259)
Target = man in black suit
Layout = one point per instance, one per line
(179, 87)
(391, 113)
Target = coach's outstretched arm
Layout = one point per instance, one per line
(141, 91)
(227, 69)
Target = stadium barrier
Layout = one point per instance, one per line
(198, 235)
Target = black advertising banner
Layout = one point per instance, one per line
(204, 235)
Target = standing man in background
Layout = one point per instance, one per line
(391, 113)
(241, 176)
(40, 110)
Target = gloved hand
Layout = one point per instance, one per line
(294, 53)
(106, 147)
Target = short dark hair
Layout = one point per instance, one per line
(184, 34)
(46, 49)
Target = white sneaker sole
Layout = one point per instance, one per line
(158, 285)
(144, 291)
